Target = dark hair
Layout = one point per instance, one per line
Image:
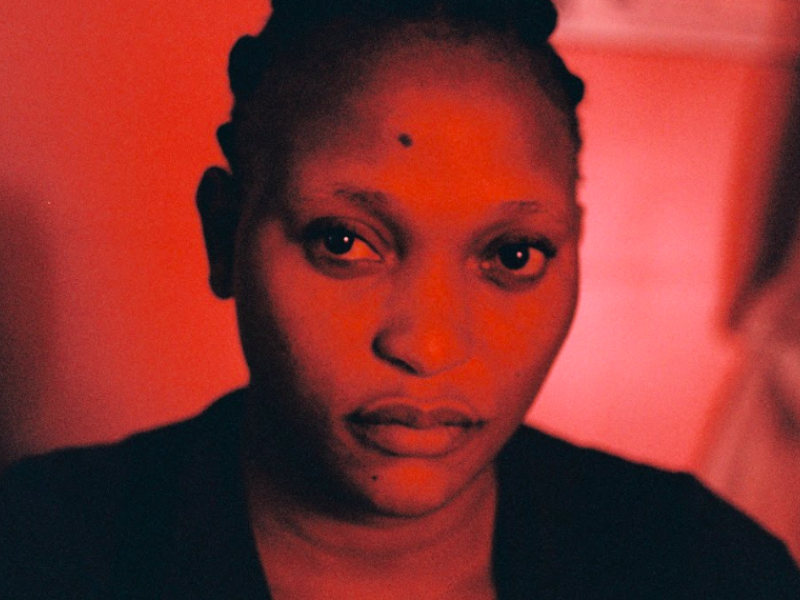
(290, 67)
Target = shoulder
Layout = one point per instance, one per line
(639, 525)
(70, 515)
(108, 473)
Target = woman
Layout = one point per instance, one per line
(399, 229)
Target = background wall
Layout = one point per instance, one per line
(107, 119)
(677, 147)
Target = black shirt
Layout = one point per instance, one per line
(163, 515)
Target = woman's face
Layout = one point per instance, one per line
(401, 304)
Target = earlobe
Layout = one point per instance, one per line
(219, 204)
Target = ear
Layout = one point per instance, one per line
(219, 204)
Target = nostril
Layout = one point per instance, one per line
(381, 352)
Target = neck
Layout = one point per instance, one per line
(306, 554)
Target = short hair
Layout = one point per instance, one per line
(309, 48)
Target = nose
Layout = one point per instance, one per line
(427, 328)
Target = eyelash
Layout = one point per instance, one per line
(319, 234)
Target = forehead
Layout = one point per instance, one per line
(453, 96)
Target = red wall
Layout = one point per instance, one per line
(678, 148)
(107, 119)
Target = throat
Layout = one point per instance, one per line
(309, 555)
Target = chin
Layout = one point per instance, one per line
(412, 488)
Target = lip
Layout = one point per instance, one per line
(411, 428)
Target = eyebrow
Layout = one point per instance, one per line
(380, 204)
(514, 207)
(369, 199)
(372, 200)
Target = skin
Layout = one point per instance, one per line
(378, 273)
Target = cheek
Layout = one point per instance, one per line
(522, 334)
(324, 326)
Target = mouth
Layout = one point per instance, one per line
(405, 427)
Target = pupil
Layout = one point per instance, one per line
(339, 241)
(514, 256)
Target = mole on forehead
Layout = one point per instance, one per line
(405, 139)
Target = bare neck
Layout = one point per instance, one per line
(310, 554)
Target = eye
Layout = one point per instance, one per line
(517, 262)
(343, 243)
(339, 249)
